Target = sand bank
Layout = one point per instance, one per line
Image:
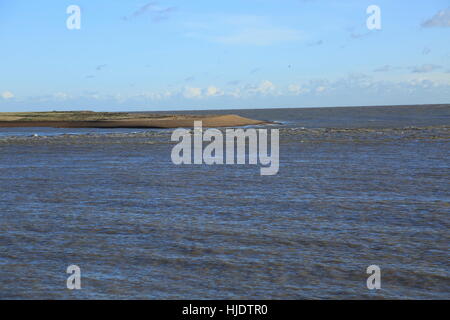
(88, 119)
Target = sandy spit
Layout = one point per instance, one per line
(140, 122)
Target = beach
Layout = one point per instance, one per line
(89, 119)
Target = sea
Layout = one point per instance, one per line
(356, 187)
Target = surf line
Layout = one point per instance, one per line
(235, 139)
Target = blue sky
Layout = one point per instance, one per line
(179, 54)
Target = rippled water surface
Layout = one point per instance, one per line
(356, 187)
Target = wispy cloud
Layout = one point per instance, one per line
(157, 12)
(387, 68)
(242, 30)
(233, 83)
(440, 19)
(100, 67)
(315, 43)
(424, 68)
(261, 36)
(356, 35)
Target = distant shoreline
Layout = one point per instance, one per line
(89, 119)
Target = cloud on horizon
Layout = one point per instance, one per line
(319, 92)
(7, 95)
(425, 68)
(385, 68)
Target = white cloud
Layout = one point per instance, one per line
(236, 93)
(7, 95)
(156, 95)
(190, 93)
(297, 89)
(61, 95)
(423, 83)
(212, 91)
(266, 87)
(320, 89)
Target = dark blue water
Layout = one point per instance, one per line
(356, 187)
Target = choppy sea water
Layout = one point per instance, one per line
(356, 187)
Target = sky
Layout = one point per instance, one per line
(195, 54)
